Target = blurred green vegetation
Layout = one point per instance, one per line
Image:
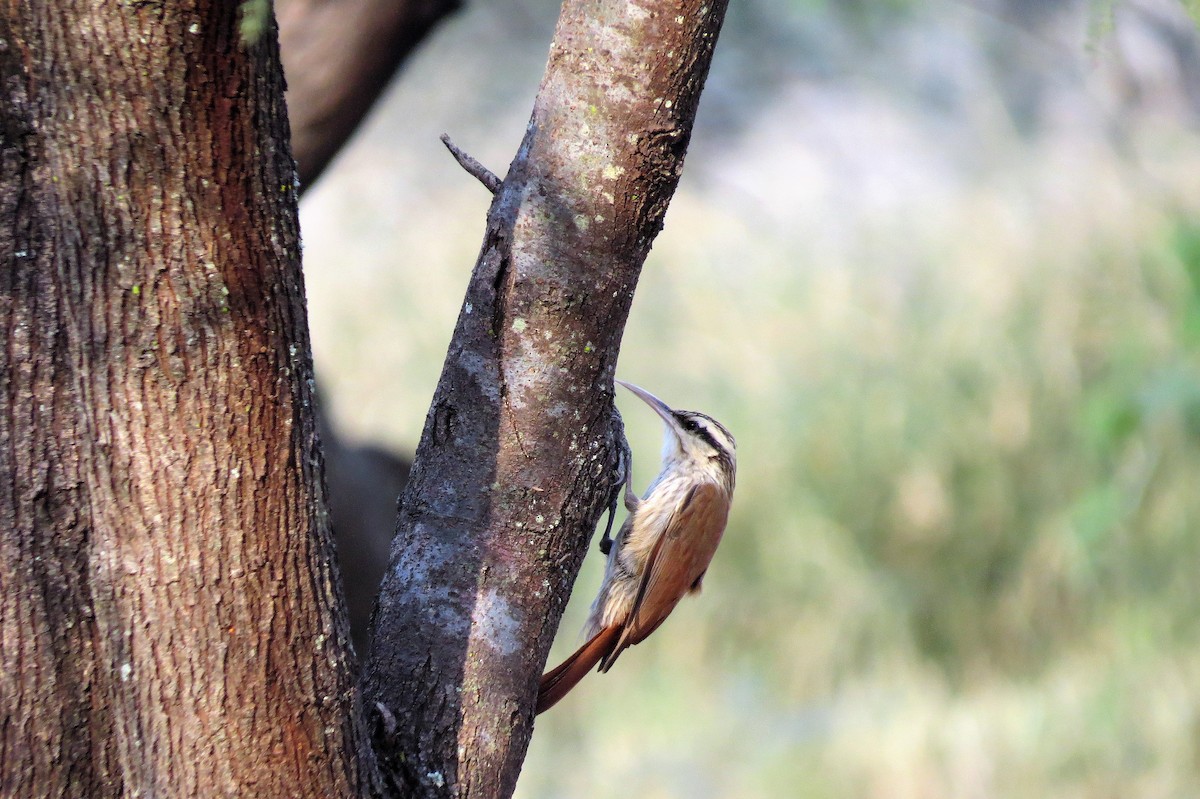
(942, 280)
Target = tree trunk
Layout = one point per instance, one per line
(169, 624)
(515, 462)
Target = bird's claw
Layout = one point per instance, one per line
(623, 475)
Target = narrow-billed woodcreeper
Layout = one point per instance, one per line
(664, 547)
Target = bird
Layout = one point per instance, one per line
(663, 549)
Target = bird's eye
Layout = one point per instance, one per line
(690, 425)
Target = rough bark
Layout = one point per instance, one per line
(169, 624)
(339, 55)
(515, 460)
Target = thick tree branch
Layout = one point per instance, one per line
(516, 458)
(338, 56)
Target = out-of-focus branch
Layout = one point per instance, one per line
(338, 55)
(516, 460)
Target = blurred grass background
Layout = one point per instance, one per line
(937, 265)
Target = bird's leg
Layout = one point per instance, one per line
(632, 500)
(623, 476)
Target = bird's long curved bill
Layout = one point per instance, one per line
(660, 407)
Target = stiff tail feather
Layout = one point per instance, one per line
(558, 681)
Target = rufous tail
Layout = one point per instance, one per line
(558, 681)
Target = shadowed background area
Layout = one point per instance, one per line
(937, 266)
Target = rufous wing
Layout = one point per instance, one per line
(676, 564)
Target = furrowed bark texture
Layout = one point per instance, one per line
(515, 462)
(169, 624)
(339, 55)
